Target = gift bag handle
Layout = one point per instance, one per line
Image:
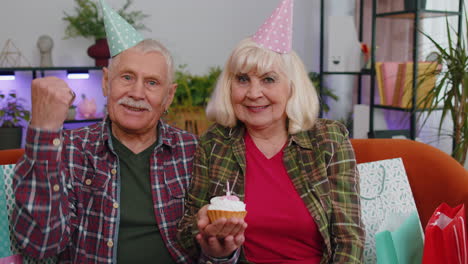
(381, 187)
(463, 241)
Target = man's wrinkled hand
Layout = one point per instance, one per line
(50, 99)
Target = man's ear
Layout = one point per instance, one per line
(170, 95)
(105, 81)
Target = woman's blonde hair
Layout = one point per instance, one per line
(303, 105)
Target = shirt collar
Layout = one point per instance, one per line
(231, 133)
(303, 138)
(165, 136)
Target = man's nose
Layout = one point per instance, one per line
(138, 89)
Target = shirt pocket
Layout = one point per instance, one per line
(93, 199)
(175, 186)
(92, 176)
(95, 182)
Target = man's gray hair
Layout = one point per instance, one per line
(151, 45)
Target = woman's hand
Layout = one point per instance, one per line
(220, 238)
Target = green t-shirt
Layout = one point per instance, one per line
(139, 238)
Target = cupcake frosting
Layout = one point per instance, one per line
(226, 203)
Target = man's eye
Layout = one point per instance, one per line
(152, 83)
(127, 77)
(242, 78)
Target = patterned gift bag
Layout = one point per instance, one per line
(16, 259)
(5, 244)
(6, 181)
(385, 192)
(6, 256)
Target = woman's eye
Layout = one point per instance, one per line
(269, 80)
(242, 78)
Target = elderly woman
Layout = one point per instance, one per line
(296, 173)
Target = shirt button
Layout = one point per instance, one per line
(110, 243)
(56, 142)
(88, 181)
(114, 171)
(116, 205)
(56, 187)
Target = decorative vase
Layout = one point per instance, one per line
(100, 52)
(87, 108)
(410, 5)
(71, 113)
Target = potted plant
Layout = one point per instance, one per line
(193, 92)
(12, 114)
(88, 22)
(325, 93)
(451, 90)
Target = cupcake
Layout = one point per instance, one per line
(226, 206)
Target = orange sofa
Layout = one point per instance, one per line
(10, 156)
(434, 176)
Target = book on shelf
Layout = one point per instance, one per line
(380, 85)
(386, 73)
(426, 80)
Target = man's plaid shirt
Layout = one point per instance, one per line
(322, 167)
(67, 192)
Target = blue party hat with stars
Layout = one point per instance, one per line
(120, 34)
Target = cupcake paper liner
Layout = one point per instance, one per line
(215, 214)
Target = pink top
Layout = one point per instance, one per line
(281, 229)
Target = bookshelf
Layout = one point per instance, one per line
(412, 16)
(24, 76)
(322, 71)
(21, 85)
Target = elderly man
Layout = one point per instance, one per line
(113, 191)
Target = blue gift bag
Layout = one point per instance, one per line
(9, 249)
(403, 245)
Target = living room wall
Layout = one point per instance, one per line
(200, 33)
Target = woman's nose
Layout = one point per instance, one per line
(255, 90)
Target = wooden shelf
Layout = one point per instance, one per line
(363, 72)
(83, 120)
(412, 14)
(405, 109)
(50, 68)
